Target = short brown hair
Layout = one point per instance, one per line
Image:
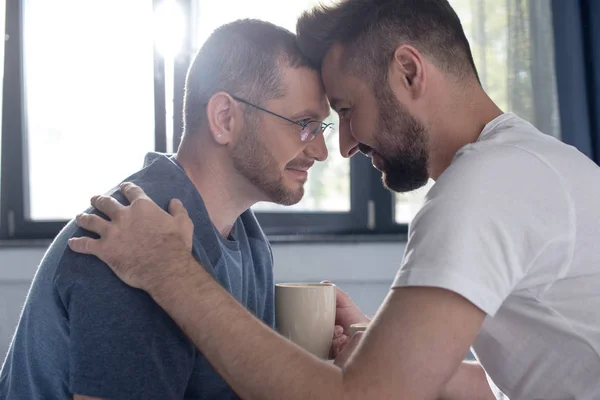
(371, 30)
(242, 58)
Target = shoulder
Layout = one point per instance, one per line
(492, 169)
(500, 183)
(84, 281)
(86, 285)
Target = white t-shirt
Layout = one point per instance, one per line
(513, 225)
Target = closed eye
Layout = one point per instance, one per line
(343, 112)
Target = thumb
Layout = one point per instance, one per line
(176, 208)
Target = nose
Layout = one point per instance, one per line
(348, 145)
(316, 148)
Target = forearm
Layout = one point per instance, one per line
(255, 361)
(468, 383)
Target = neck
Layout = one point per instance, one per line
(464, 114)
(222, 189)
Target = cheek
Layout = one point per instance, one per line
(282, 146)
(361, 127)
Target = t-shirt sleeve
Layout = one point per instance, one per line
(484, 224)
(122, 344)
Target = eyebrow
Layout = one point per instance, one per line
(306, 113)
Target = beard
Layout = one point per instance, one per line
(402, 143)
(253, 161)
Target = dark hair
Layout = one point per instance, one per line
(241, 58)
(371, 30)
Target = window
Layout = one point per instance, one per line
(513, 48)
(89, 99)
(83, 88)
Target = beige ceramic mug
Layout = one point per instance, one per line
(305, 314)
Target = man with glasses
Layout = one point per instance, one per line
(252, 130)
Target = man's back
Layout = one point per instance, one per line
(83, 331)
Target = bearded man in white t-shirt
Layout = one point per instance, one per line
(504, 256)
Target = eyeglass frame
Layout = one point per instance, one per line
(323, 125)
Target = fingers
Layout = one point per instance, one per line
(181, 216)
(337, 346)
(132, 191)
(83, 245)
(176, 209)
(338, 341)
(337, 331)
(347, 351)
(92, 223)
(108, 205)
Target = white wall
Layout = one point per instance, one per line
(364, 270)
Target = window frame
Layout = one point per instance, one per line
(14, 179)
(372, 206)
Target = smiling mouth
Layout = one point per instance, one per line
(298, 174)
(366, 150)
(377, 161)
(304, 167)
(298, 169)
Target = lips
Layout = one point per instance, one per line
(304, 167)
(377, 161)
(366, 150)
(298, 169)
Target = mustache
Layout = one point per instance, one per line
(303, 164)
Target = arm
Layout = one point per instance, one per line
(468, 383)
(413, 346)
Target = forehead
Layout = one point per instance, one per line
(336, 79)
(304, 91)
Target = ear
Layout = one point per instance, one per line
(407, 73)
(223, 117)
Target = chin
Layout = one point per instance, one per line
(294, 197)
(287, 195)
(401, 186)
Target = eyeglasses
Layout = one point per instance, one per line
(310, 128)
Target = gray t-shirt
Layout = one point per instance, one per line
(83, 331)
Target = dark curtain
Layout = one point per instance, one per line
(577, 54)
